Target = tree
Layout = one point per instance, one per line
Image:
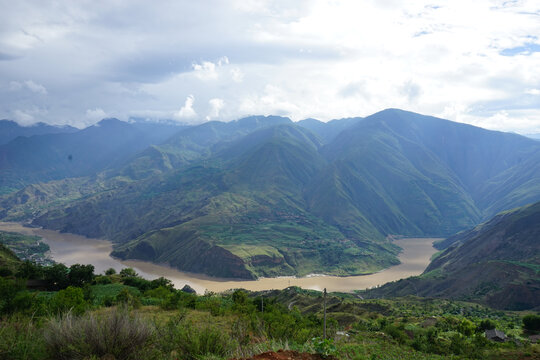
(29, 270)
(128, 272)
(79, 275)
(56, 276)
(110, 271)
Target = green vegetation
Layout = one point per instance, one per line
(124, 316)
(263, 196)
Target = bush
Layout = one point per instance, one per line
(117, 333)
(102, 280)
(158, 293)
(324, 347)
(8, 290)
(127, 298)
(531, 323)
(70, 299)
(486, 324)
(194, 342)
(4, 271)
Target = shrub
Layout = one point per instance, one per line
(531, 323)
(158, 293)
(194, 342)
(8, 289)
(70, 299)
(102, 280)
(486, 324)
(110, 271)
(125, 297)
(4, 271)
(118, 334)
(324, 347)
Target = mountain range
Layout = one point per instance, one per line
(264, 196)
(10, 130)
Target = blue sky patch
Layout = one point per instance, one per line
(526, 49)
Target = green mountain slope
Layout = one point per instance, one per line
(327, 131)
(247, 217)
(262, 196)
(497, 263)
(192, 144)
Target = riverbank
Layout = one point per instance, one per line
(71, 249)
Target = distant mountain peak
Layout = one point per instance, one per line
(111, 122)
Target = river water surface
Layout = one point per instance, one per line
(75, 249)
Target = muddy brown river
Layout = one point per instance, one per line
(75, 249)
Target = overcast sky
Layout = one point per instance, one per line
(76, 62)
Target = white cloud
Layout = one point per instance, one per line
(216, 105)
(322, 59)
(28, 84)
(95, 115)
(187, 111)
(205, 70)
(223, 61)
(37, 88)
(237, 74)
(23, 118)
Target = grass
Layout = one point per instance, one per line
(119, 333)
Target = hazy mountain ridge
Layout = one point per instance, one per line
(273, 198)
(10, 130)
(105, 145)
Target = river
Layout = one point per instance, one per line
(75, 249)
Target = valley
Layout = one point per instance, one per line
(75, 249)
(264, 197)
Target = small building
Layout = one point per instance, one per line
(495, 335)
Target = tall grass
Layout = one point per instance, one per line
(20, 338)
(194, 340)
(116, 333)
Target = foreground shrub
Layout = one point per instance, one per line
(70, 299)
(194, 342)
(117, 333)
(531, 323)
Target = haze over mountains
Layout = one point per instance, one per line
(263, 196)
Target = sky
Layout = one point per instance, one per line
(76, 62)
